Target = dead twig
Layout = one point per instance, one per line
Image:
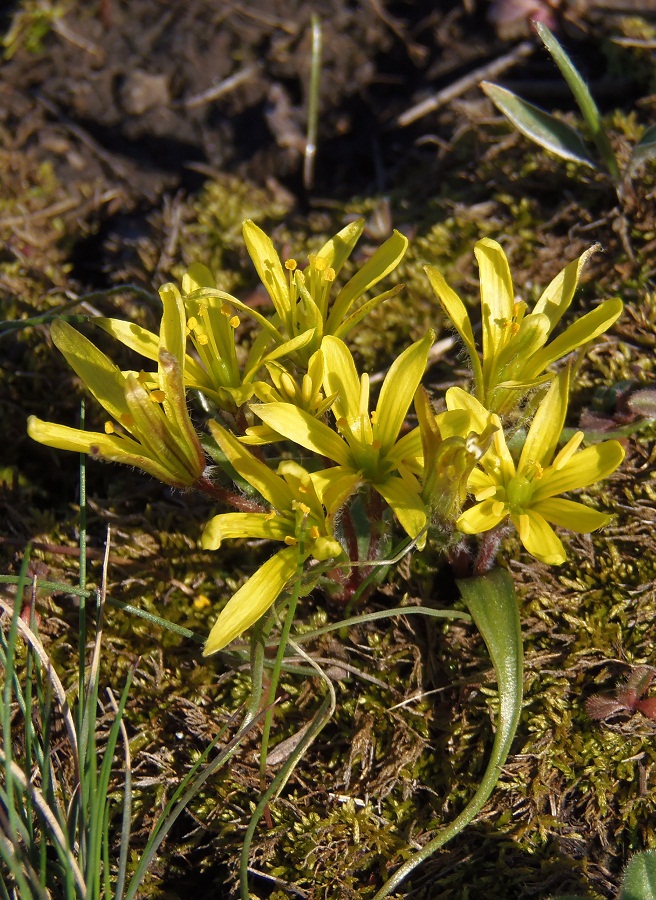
(459, 87)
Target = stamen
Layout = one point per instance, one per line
(314, 532)
(157, 396)
(234, 321)
(329, 275)
(291, 265)
(109, 428)
(290, 541)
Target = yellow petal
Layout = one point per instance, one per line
(97, 371)
(244, 525)
(341, 378)
(481, 517)
(547, 425)
(584, 468)
(384, 260)
(253, 599)
(585, 329)
(338, 249)
(539, 538)
(269, 268)
(497, 301)
(571, 515)
(407, 505)
(254, 471)
(558, 295)
(457, 313)
(302, 428)
(397, 392)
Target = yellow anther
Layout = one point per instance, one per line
(514, 328)
(374, 417)
(192, 323)
(301, 507)
(314, 532)
(157, 396)
(290, 541)
(202, 602)
(342, 422)
(127, 420)
(202, 339)
(226, 309)
(143, 377)
(270, 515)
(234, 321)
(376, 445)
(109, 428)
(320, 263)
(329, 274)
(539, 471)
(290, 265)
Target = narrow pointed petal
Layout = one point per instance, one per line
(269, 268)
(175, 406)
(480, 518)
(539, 538)
(244, 525)
(547, 425)
(132, 335)
(271, 486)
(571, 515)
(108, 447)
(584, 468)
(338, 249)
(384, 260)
(334, 486)
(585, 329)
(172, 331)
(497, 299)
(457, 399)
(407, 505)
(341, 378)
(253, 599)
(302, 428)
(99, 374)
(197, 276)
(558, 295)
(398, 390)
(457, 313)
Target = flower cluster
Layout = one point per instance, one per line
(324, 459)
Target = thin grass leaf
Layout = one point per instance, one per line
(491, 600)
(583, 98)
(176, 806)
(537, 125)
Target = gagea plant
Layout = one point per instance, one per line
(300, 455)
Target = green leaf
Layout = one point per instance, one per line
(534, 123)
(583, 98)
(639, 881)
(492, 603)
(643, 151)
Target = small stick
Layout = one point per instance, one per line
(313, 105)
(220, 89)
(483, 73)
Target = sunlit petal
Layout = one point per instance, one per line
(397, 391)
(547, 425)
(481, 517)
(539, 538)
(584, 468)
(244, 525)
(407, 505)
(302, 428)
(253, 599)
(572, 515)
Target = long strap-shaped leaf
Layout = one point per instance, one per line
(492, 603)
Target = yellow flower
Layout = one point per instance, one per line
(211, 321)
(303, 507)
(151, 428)
(515, 349)
(527, 492)
(366, 447)
(302, 298)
